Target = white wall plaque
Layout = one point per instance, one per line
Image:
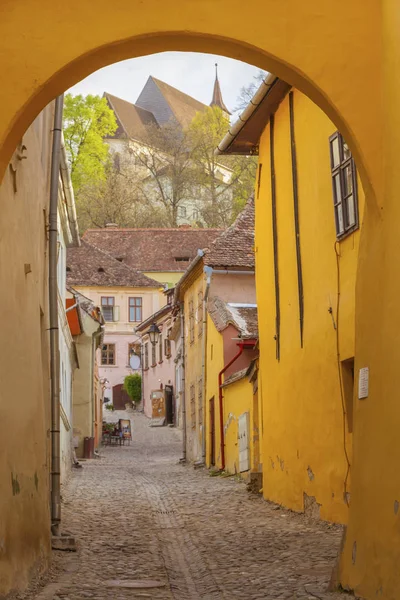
(363, 383)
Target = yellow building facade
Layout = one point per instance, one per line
(238, 404)
(308, 409)
(215, 363)
(191, 293)
(307, 241)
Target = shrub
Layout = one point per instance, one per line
(133, 387)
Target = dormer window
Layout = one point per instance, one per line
(182, 258)
(68, 269)
(100, 270)
(119, 258)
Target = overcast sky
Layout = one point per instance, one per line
(190, 72)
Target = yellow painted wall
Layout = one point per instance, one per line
(169, 277)
(238, 399)
(314, 47)
(24, 366)
(372, 547)
(303, 442)
(215, 363)
(193, 369)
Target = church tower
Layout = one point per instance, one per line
(217, 95)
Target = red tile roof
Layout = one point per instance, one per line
(243, 317)
(237, 376)
(152, 249)
(235, 246)
(88, 265)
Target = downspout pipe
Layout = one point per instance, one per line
(183, 401)
(53, 320)
(208, 271)
(249, 344)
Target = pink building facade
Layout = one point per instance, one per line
(159, 368)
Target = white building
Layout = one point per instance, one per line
(68, 236)
(158, 105)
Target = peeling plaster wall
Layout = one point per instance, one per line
(238, 399)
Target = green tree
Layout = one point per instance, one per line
(224, 182)
(133, 387)
(117, 199)
(87, 121)
(166, 169)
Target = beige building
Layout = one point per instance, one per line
(25, 405)
(87, 328)
(126, 297)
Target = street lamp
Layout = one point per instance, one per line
(154, 334)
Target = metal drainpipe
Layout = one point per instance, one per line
(208, 272)
(53, 318)
(183, 459)
(221, 404)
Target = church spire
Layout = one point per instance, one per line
(217, 94)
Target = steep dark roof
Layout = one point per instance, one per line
(182, 105)
(217, 95)
(242, 316)
(133, 121)
(152, 249)
(88, 265)
(235, 246)
(176, 103)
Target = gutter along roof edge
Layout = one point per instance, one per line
(270, 83)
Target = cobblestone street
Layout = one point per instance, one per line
(171, 532)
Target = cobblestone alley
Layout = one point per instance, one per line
(171, 532)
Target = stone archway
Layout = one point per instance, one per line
(332, 52)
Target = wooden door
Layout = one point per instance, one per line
(169, 405)
(120, 397)
(212, 432)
